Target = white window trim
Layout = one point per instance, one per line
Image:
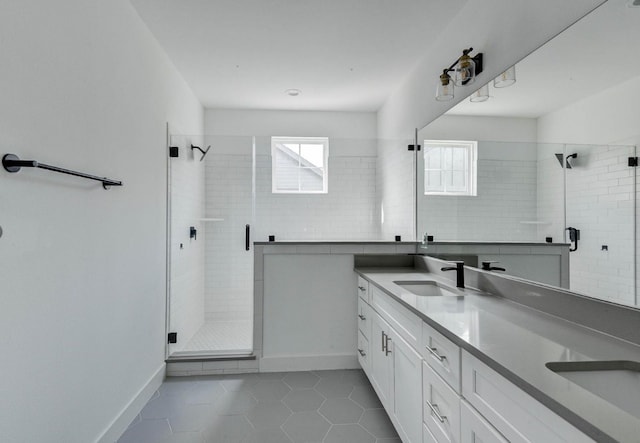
(325, 170)
(472, 153)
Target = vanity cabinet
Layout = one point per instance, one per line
(436, 392)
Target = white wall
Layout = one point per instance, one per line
(605, 211)
(84, 86)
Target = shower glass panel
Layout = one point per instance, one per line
(518, 196)
(211, 269)
(600, 203)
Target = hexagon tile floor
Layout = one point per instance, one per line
(289, 407)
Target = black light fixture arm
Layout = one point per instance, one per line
(12, 163)
(476, 58)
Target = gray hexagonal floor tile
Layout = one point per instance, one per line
(269, 390)
(330, 374)
(334, 388)
(301, 380)
(205, 392)
(233, 403)
(163, 406)
(349, 434)
(366, 397)
(271, 375)
(184, 437)
(238, 382)
(304, 427)
(377, 422)
(303, 400)
(341, 411)
(267, 436)
(356, 376)
(192, 418)
(267, 415)
(147, 431)
(227, 429)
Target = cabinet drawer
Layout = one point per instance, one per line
(406, 323)
(440, 407)
(363, 289)
(514, 413)
(442, 355)
(364, 318)
(363, 352)
(474, 428)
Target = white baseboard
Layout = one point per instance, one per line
(133, 408)
(282, 363)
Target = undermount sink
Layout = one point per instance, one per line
(617, 382)
(428, 288)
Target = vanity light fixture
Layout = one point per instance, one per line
(481, 95)
(507, 78)
(465, 69)
(444, 92)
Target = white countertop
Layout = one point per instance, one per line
(517, 341)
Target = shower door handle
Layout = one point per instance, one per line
(247, 236)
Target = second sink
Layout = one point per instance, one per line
(428, 288)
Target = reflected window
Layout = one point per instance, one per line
(299, 165)
(450, 167)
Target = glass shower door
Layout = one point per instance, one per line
(211, 287)
(600, 220)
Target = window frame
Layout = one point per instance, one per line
(471, 147)
(324, 141)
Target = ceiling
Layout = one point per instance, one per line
(598, 52)
(344, 55)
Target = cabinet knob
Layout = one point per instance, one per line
(362, 317)
(362, 288)
(362, 352)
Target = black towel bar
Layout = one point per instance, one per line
(12, 163)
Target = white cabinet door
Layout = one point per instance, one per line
(441, 411)
(363, 353)
(474, 428)
(381, 361)
(407, 376)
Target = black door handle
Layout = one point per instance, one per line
(247, 235)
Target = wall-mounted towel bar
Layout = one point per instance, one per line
(12, 163)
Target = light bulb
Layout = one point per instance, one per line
(507, 78)
(444, 91)
(465, 70)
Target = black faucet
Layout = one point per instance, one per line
(486, 266)
(459, 268)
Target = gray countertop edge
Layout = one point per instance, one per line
(567, 414)
(390, 242)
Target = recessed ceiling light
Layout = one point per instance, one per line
(293, 92)
(633, 3)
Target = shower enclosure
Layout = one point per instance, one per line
(211, 203)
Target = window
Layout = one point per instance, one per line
(450, 167)
(299, 164)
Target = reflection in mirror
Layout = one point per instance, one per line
(548, 192)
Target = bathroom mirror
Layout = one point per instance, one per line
(552, 156)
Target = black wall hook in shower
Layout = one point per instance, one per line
(200, 149)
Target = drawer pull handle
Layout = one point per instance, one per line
(436, 412)
(362, 317)
(362, 352)
(387, 351)
(434, 352)
(362, 288)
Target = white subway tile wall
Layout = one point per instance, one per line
(346, 212)
(502, 210)
(187, 263)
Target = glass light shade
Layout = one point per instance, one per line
(481, 95)
(507, 78)
(444, 92)
(464, 71)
